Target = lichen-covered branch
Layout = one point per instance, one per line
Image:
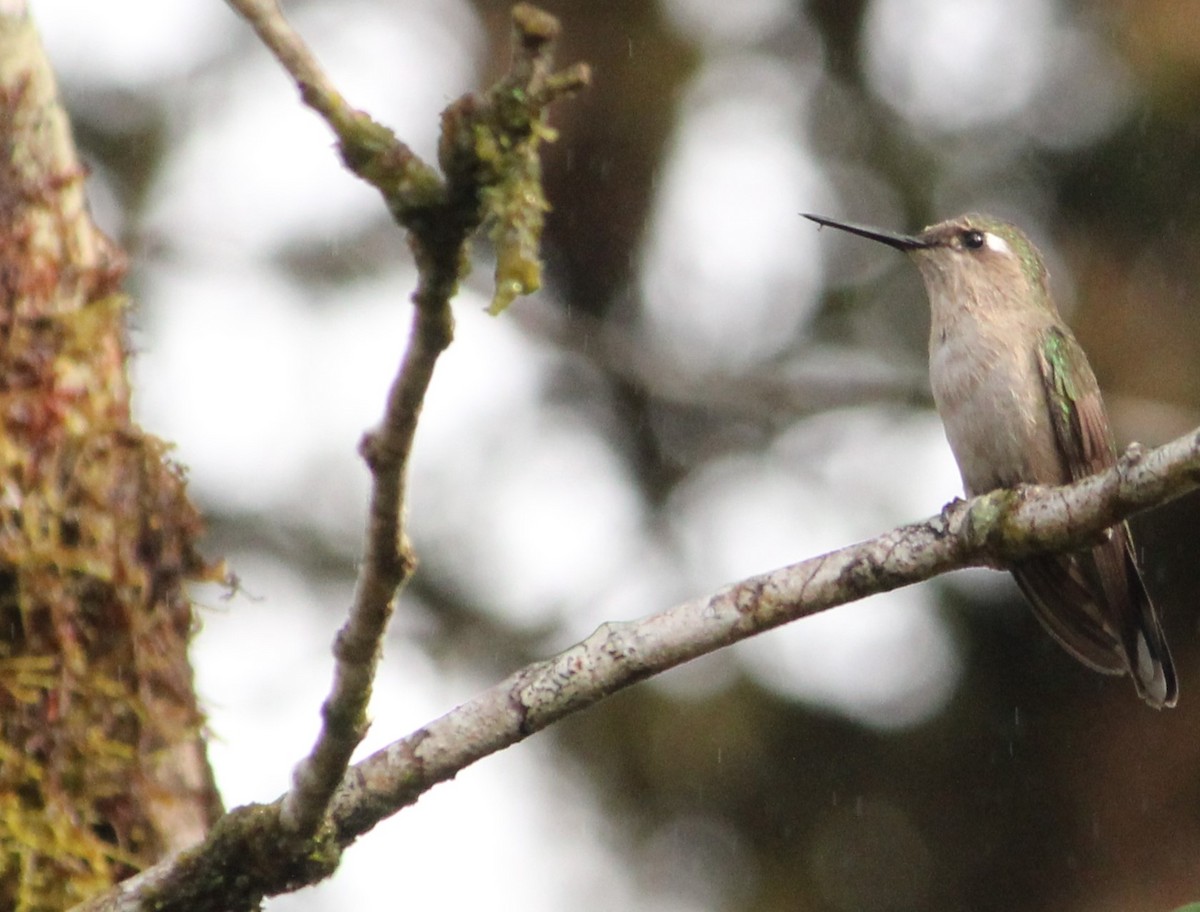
(490, 171)
(991, 530)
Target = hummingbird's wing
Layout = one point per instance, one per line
(1065, 604)
(1077, 416)
(1093, 602)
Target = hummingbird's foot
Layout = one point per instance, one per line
(948, 509)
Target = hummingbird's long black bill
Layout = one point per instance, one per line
(899, 241)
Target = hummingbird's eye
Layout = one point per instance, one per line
(973, 240)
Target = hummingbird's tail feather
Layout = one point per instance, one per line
(1154, 672)
(1149, 656)
(1096, 605)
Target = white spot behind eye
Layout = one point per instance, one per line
(996, 243)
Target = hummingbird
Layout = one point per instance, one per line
(1020, 405)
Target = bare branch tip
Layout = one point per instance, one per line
(368, 447)
(567, 82)
(580, 74)
(534, 27)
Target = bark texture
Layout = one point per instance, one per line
(102, 765)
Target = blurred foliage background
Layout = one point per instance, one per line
(707, 387)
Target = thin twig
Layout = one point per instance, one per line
(388, 561)
(489, 155)
(289, 49)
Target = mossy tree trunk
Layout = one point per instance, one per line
(102, 763)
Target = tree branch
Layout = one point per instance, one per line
(488, 154)
(992, 530)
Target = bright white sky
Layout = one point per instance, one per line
(267, 395)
